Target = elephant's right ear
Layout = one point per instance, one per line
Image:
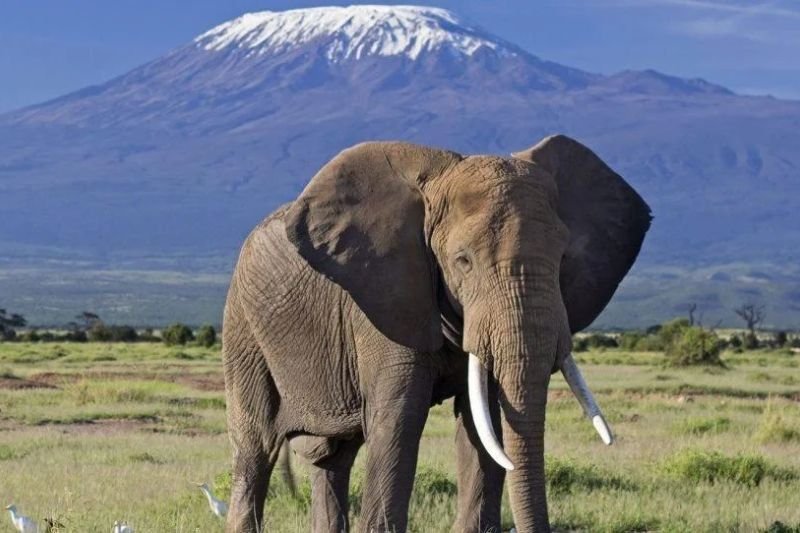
(361, 223)
(607, 221)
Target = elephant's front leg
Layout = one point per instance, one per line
(397, 400)
(480, 479)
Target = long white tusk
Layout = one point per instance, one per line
(581, 391)
(479, 406)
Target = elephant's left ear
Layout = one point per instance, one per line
(607, 220)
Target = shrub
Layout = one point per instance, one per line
(206, 336)
(123, 334)
(735, 342)
(650, 343)
(750, 341)
(671, 330)
(780, 339)
(148, 336)
(630, 339)
(30, 336)
(99, 332)
(177, 333)
(693, 345)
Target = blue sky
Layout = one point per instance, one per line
(51, 47)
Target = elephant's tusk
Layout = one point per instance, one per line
(581, 391)
(479, 407)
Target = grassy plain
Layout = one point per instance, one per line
(94, 433)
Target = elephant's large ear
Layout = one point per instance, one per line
(361, 222)
(607, 220)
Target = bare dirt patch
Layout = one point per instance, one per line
(22, 383)
(203, 382)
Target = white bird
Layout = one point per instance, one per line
(122, 527)
(218, 507)
(23, 524)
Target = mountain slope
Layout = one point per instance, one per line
(181, 156)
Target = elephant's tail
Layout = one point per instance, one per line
(285, 467)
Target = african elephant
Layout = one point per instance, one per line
(404, 275)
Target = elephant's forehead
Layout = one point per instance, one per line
(498, 188)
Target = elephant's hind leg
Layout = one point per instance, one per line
(330, 483)
(252, 404)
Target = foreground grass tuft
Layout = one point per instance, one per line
(700, 426)
(775, 428)
(713, 467)
(565, 476)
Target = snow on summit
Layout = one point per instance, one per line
(352, 32)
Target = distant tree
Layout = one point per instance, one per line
(692, 309)
(86, 320)
(206, 336)
(177, 333)
(753, 315)
(9, 323)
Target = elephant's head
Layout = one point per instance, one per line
(525, 251)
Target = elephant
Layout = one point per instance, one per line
(404, 275)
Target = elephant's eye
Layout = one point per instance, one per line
(463, 262)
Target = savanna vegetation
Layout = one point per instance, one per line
(96, 432)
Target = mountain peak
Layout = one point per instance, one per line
(353, 32)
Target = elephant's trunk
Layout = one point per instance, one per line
(522, 336)
(523, 385)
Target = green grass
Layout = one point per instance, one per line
(124, 431)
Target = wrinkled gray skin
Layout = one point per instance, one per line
(351, 310)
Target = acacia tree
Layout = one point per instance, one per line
(8, 322)
(753, 315)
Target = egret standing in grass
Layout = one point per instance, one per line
(218, 507)
(121, 527)
(23, 524)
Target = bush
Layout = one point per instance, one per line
(671, 330)
(650, 343)
(629, 340)
(148, 336)
(206, 336)
(30, 336)
(693, 345)
(593, 341)
(99, 332)
(177, 333)
(780, 339)
(750, 341)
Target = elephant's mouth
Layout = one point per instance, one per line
(479, 406)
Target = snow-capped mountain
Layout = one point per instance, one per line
(184, 154)
(353, 32)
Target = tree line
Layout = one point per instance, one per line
(686, 341)
(89, 327)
